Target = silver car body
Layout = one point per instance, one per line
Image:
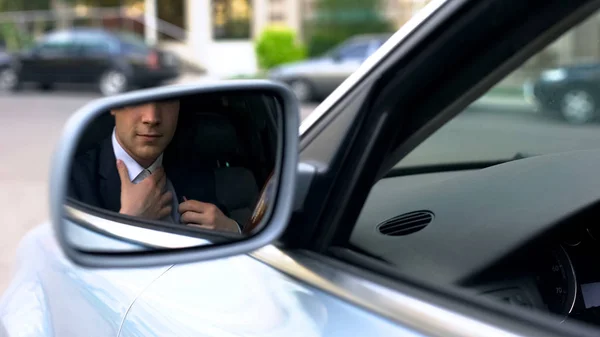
(238, 296)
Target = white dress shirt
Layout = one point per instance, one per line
(137, 173)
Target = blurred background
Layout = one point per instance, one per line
(56, 55)
(52, 53)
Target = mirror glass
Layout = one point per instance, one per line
(203, 165)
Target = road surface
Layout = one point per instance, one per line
(31, 122)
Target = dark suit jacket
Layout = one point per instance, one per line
(95, 180)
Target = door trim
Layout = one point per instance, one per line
(411, 312)
(437, 315)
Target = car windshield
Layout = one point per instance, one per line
(550, 104)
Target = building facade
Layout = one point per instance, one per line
(220, 33)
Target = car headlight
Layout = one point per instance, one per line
(554, 75)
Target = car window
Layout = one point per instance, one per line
(94, 43)
(132, 42)
(428, 224)
(374, 45)
(353, 51)
(56, 42)
(550, 104)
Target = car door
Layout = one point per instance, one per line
(337, 288)
(392, 104)
(315, 281)
(242, 296)
(49, 61)
(50, 296)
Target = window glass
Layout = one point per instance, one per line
(354, 51)
(92, 43)
(57, 42)
(133, 42)
(174, 13)
(375, 44)
(430, 225)
(231, 19)
(550, 104)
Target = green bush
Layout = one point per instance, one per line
(337, 20)
(327, 36)
(14, 38)
(277, 45)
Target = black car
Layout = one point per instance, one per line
(6, 74)
(572, 92)
(115, 62)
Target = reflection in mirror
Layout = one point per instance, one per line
(201, 163)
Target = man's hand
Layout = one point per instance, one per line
(205, 215)
(145, 199)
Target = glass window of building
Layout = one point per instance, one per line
(231, 19)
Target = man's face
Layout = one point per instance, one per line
(144, 131)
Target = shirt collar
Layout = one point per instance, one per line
(133, 167)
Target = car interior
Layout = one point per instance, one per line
(521, 230)
(234, 136)
(538, 256)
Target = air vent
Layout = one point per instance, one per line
(406, 223)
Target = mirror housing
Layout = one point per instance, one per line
(168, 245)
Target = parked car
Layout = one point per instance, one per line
(349, 244)
(571, 93)
(7, 76)
(317, 77)
(114, 62)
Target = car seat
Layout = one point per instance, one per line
(212, 142)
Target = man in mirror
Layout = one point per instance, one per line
(125, 172)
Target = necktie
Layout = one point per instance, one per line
(174, 216)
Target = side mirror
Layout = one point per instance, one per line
(179, 174)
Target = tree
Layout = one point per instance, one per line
(337, 20)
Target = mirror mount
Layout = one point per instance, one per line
(273, 219)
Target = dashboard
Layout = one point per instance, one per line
(522, 232)
(557, 274)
